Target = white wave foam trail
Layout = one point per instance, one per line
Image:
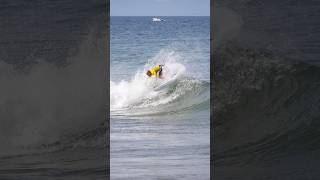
(142, 94)
(127, 93)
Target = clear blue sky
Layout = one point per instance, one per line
(160, 7)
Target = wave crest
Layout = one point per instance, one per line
(143, 95)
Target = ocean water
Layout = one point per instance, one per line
(267, 85)
(53, 90)
(160, 131)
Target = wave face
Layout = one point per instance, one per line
(142, 95)
(52, 72)
(266, 90)
(266, 110)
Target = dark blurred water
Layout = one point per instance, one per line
(53, 89)
(266, 90)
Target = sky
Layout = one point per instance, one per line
(160, 7)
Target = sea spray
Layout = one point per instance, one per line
(150, 95)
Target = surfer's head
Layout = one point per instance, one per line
(149, 73)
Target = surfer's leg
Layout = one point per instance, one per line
(160, 73)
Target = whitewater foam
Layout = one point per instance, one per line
(145, 94)
(127, 93)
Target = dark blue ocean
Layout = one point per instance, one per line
(160, 127)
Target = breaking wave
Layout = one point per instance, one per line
(264, 106)
(177, 91)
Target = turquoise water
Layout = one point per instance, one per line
(160, 131)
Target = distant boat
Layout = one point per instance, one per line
(157, 19)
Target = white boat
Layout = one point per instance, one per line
(157, 19)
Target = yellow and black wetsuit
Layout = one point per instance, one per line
(154, 71)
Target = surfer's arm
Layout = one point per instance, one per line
(159, 75)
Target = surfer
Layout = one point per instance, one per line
(155, 71)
